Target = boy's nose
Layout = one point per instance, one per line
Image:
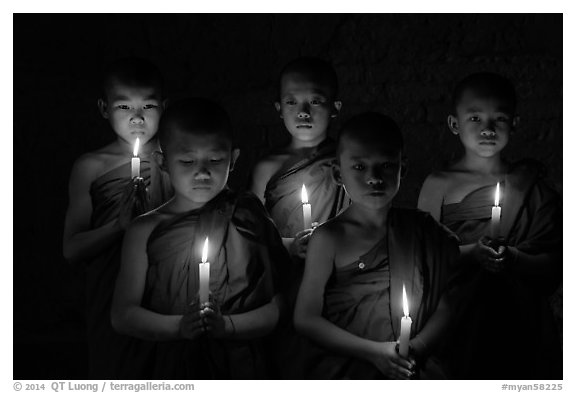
(202, 174)
(137, 119)
(488, 132)
(375, 177)
(303, 114)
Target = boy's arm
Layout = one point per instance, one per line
(262, 174)
(431, 196)
(80, 242)
(128, 316)
(260, 177)
(434, 330)
(253, 324)
(308, 317)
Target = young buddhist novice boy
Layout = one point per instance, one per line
(350, 299)
(307, 103)
(156, 296)
(104, 197)
(506, 330)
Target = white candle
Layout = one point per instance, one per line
(136, 160)
(405, 326)
(496, 212)
(204, 270)
(306, 209)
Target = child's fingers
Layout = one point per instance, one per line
(402, 373)
(402, 363)
(303, 233)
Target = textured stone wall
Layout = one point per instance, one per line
(401, 65)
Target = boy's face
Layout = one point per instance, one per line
(306, 107)
(370, 172)
(133, 112)
(198, 165)
(482, 123)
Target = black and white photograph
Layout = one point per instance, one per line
(288, 196)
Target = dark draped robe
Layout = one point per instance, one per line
(365, 297)
(506, 328)
(107, 349)
(246, 260)
(284, 190)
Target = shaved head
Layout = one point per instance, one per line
(372, 129)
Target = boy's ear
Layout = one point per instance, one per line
(235, 155)
(336, 176)
(403, 168)
(278, 108)
(515, 121)
(165, 103)
(103, 108)
(453, 124)
(337, 107)
(160, 160)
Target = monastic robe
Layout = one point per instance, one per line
(365, 297)
(106, 347)
(283, 192)
(246, 259)
(505, 328)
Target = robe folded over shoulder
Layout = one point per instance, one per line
(106, 347)
(365, 297)
(283, 191)
(246, 262)
(506, 325)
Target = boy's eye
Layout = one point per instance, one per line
(216, 160)
(122, 107)
(475, 118)
(358, 167)
(502, 119)
(150, 106)
(187, 162)
(290, 102)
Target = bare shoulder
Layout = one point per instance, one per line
(433, 192)
(328, 235)
(436, 183)
(263, 172)
(270, 164)
(89, 165)
(142, 226)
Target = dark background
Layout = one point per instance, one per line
(402, 65)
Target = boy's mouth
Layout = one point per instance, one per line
(307, 126)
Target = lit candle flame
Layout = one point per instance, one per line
(304, 194)
(205, 251)
(136, 147)
(497, 196)
(404, 300)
